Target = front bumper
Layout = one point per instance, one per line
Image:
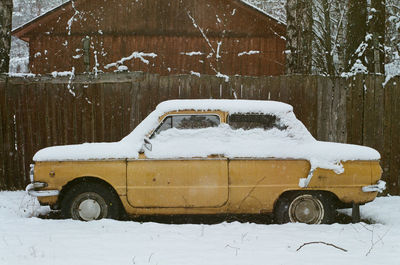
(380, 186)
(31, 189)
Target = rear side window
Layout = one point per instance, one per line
(250, 121)
(188, 122)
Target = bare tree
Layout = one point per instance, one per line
(299, 37)
(366, 26)
(376, 25)
(328, 36)
(392, 37)
(357, 29)
(6, 7)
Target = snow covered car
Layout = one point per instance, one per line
(209, 157)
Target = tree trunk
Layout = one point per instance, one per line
(330, 67)
(376, 52)
(356, 31)
(6, 7)
(299, 36)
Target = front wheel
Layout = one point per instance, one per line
(301, 207)
(90, 201)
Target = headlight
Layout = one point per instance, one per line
(31, 171)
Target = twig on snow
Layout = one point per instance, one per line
(321, 242)
(151, 255)
(373, 243)
(235, 248)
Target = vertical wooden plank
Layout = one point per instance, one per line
(388, 120)
(10, 152)
(3, 171)
(283, 94)
(355, 110)
(368, 112)
(125, 109)
(310, 105)
(96, 115)
(214, 86)
(297, 99)
(106, 108)
(324, 106)
(29, 112)
(134, 94)
(226, 90)
(379, 104)
(101, 110)
(22, 179)
(163, 88)
(263, 87)
(112, 110)
(335, 99)
(274, 88)
(394, 175)
(341, 109)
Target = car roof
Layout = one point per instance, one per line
(227, 105)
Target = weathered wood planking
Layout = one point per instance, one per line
(3, 165)
(223, 31)
(44, 111)
(394, 173)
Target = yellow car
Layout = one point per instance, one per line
(209, 157)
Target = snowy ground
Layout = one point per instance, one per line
(30, 240)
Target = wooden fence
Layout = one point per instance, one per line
(42, 111)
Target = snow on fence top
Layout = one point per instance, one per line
(230, 106)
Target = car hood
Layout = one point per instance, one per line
(86, 151)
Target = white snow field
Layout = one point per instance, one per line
(25, 239)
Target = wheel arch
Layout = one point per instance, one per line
(87, 179)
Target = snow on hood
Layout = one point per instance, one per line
(86, 151)
(294, 142)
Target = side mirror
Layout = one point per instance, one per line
(147, 144)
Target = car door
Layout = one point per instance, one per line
(179, 182)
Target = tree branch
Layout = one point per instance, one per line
(321, 242)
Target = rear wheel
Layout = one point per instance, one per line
(90, 201)
(301, 207)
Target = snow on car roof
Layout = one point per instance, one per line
(228, 105)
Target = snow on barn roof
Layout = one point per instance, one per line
(228, 105)
(20, 30)
(26, 27)
(263, 11)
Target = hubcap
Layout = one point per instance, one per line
(89, 210)
(89, 206)
(306, 209)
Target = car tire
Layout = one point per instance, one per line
(89, 201)
(303, 207)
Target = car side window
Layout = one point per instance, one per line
(248, 121)
(187, 122)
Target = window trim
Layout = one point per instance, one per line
(183, 114)
(248, 113)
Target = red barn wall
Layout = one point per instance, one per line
(222, 33)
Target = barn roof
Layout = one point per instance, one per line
(24, 29)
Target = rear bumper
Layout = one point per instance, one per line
(31, 189)
(380, 186)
